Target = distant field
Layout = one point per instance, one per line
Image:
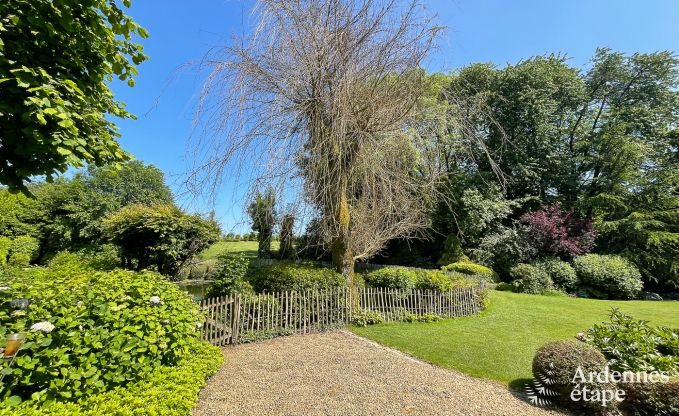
(248, 248)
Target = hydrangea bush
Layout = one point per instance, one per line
(87, 331)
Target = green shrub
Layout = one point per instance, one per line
(429, 317)
(365, 317)
(230, 276)
(24, 244)
(160, 236)
(5, 244)
(391, 278)
(558, 361)
(19, 260)
(652, 399)
(562, 274)
(282, 276)
(88, 332)
(604, 276)
(104, 257)
(438, 280)
(527, 278)
(634, 345)
(22, 250)
(167, 391)
(472, 269)
(505, 287)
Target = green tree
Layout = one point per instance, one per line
(262, 212)
(161, 236)
(56, 61)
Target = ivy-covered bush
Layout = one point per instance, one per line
(166, 391)
(472, 269)
(607, 277)
(281, 276)
(558, 362)
(562, 274)
(527, 278)
(230, 276)
(634, 345)
(365, 317)
(88, 332)
(391, 278)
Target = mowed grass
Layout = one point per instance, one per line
(500, 343)
(248, 248)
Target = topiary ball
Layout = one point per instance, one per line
(557, 363)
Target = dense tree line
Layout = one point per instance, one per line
(602, 143)
(131, 208)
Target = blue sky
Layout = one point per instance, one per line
(497, 31)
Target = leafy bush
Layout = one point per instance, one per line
(504, 249)
(167, 391)
(365, 317)
(437, 280)
(230, 276)
(162, 236)
(104, 257)
(562, 274)
(282, 276)
(558, 361)
(19, 260)
(22, 250)
(391, 278)
(505, 287)
(472, 269)
(88, 332)
(429, 317)
(635, 345)
(652, 399)
(558, 233)
(530, 279)
(604, 276)
(5, 244)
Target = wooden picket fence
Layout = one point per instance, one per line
(240, 318)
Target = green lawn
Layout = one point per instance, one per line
(500, 343)
(248, 248)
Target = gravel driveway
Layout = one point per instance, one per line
(338, 373)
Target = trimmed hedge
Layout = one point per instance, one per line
(606, 276)
(403, 278)
(652, 399)
(167, 391)
(391, 278)
(282, 276)
(472, 269)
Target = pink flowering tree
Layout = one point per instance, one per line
(559, 233)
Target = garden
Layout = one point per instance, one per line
(510, 232)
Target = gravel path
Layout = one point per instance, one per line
(338, 373)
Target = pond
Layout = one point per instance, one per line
(196, 288)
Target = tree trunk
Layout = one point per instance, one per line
(342, 257)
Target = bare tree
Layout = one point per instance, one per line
(324, 94)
